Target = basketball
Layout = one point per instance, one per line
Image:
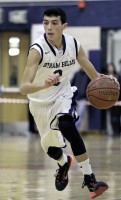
(103, 92)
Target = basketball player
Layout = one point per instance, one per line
(46, 82)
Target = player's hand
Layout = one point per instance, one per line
(112, 78)
(51, 80)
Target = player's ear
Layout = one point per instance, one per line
(65, 25)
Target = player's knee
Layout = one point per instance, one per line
(55, 152)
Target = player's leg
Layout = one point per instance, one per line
(64, 163)
(69, 131)
(50, 143)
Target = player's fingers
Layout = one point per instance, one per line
(112, 78)
(49, 82)
(117, 83)
(54, 78)
(115, 79)
(57, 77)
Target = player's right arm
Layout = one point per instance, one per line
(27, 86)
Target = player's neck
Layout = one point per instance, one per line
(58, 44)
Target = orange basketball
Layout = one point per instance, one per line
(102, 92)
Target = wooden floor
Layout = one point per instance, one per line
(27, 173)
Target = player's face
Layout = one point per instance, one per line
(53, 28)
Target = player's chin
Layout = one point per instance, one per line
(50, 36)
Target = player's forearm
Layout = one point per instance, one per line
(28, 88)
(92, 73)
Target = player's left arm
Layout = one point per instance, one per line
(86, 64)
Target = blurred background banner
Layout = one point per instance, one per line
(105, 14)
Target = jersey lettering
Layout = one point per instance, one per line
(58, 65)
(68, 63)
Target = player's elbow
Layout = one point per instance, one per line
(23, 90)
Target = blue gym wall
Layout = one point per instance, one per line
(106, 14)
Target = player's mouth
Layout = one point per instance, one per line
(50, 34)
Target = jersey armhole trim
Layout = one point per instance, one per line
(75, 42)
(41, 51)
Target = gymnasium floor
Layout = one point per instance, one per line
(26, 173)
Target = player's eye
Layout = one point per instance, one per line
(54, 23)
(45, 23)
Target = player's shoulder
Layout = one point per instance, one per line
(38, 44)
(67, 36)
(70, 38)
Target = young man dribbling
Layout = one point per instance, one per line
(46, 83)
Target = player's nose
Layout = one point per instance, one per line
(49, 26)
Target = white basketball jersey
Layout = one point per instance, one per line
(53, 61)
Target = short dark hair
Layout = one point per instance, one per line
(56, 12)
